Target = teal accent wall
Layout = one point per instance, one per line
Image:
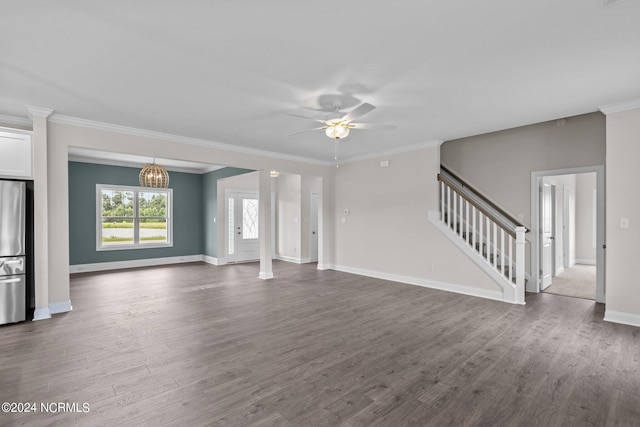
(210, 198)
(188, 210)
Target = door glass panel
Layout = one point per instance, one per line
(231, 217)
(250, 218)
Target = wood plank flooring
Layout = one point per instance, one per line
(199, 345)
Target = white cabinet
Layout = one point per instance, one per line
(15, 154)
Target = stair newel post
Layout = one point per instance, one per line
(510, 258)
(520, 264)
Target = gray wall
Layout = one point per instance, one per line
(499, 164)
(386, 232)
(623, 202)
(210, 201)
(187, 213)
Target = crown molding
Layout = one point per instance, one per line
(398, 150)
(619, 107)
(15, 121)
(75, 121)
(38, 111)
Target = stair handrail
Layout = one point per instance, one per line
(481, 202)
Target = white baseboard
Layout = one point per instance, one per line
(293, 259)
(60, 307)
(622, 317)
(41, 314)
(459, 289)
(212, 260)
(586, 261)
(324, 267)
(265, 276)
(148, 262)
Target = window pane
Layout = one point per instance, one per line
(117, 203)
(117, 231)
(152, 203)
(153, 230)
(249, 218)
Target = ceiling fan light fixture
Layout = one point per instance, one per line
(337, 130)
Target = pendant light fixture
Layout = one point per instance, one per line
(154, 176)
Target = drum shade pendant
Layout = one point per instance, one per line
(154, 176)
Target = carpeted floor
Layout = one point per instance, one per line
(578, 281)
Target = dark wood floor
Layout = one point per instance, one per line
(195, 344)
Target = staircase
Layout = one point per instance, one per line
(490, 236)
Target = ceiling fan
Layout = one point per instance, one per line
(337, 125)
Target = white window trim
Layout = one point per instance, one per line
(135, 190)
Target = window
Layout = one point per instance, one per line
(133, 217)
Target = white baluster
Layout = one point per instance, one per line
(466, 211)
(442, 205)
(455, 212)
(449, 206)
(495, 246)
(502, 250)
(480, 221)
(489, 246)
(475, 232)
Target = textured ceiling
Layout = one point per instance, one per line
(229, 71)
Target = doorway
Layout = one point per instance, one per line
(567, 239)
(242, 225)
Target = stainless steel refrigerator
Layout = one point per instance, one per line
(14, 287)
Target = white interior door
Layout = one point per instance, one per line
(243, 226)
(313, 227)
(546, 232)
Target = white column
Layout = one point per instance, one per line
(266, 268)
(41, 207)
(520, 264)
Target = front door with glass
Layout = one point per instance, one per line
(243, 242)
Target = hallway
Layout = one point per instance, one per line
(578, 281)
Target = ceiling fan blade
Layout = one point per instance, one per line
(306, 130)
(358, 112)
(306, 117)
(374, 126)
